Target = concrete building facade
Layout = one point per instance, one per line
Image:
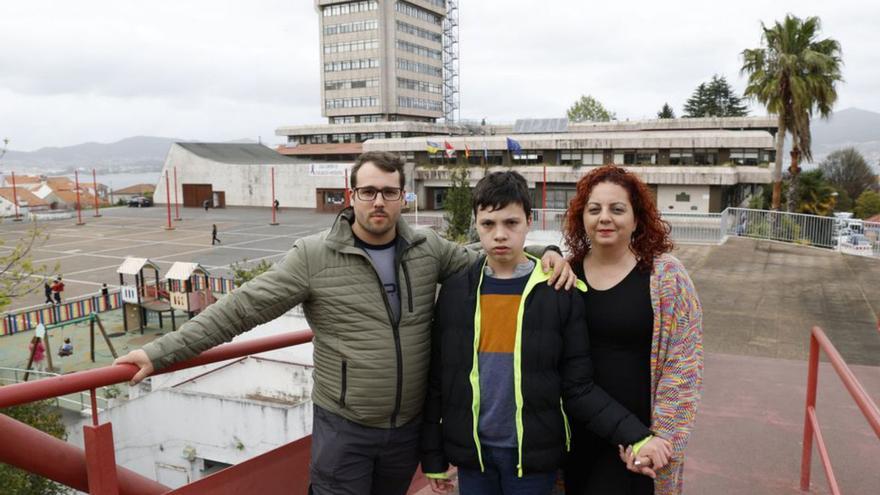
(381, 60)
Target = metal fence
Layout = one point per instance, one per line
(77, 401)
(797, 228)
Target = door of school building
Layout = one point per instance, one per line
(196, 194)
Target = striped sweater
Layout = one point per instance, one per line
(676, 364)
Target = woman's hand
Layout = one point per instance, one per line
(652, 456)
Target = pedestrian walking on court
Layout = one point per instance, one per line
(276, 204)
(206, 203)
(105, 294)
(47, 289)
(214, 237)
(57, 289)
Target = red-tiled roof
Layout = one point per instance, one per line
(23, 196)
(875, 218)
(136, 189)
(323, 149)
(86, 200)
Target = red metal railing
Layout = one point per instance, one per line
(818, 340)
(95, 470)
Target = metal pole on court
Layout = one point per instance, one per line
(347, 193)
(95, 181)
(168, 201)
(78, 206)
(273, 198)
(15, 199)
(544, 200)
(176, 203)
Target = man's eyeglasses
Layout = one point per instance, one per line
(369, 193)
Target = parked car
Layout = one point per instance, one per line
(140, 201)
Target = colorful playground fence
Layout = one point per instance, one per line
(24, 319)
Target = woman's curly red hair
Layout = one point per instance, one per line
(651, 237)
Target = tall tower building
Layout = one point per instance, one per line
(381, 60)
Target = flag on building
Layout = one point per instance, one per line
(467, 152)
(450, 150)
(514, 146)
(433, 147)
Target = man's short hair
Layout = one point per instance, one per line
(499, 189)
(388, 162)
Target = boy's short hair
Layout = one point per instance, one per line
(500, 189)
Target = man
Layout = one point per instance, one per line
(214, 238)
(367, 287)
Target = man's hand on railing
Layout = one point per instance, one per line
(138, 358)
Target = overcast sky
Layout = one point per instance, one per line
(88, 70)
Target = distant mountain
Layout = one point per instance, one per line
(853, 127)
(134, 154)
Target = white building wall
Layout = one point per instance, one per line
(246, 185)
(668, 199)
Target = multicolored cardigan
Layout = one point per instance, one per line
(676, 364)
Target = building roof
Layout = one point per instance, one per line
(589, 140)
(24, 179)
(182, 270)
(323, 149)
(136, 189)
(61, 183)
(237, 153)
(69, 197)
(875, 218)
(133, 266)
(23, 195)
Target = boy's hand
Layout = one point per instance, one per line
(441, 486)
(138, 358)
(563, 276)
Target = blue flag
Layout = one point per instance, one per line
(514, 146)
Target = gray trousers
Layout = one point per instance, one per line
(351, 459)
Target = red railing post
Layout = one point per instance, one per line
(812, 383)
(100, 459)
(819, 341)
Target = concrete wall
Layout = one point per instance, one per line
(698, 197)
(245, 185)
(168, 434)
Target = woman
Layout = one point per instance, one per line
(645, 328)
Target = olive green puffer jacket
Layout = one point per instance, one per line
(368, 368)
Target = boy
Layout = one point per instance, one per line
(508, 353)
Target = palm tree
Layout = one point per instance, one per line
(794, 75)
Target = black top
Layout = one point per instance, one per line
(621, 325)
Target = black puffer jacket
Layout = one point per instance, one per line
(551, 363)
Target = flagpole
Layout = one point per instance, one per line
(544, 200)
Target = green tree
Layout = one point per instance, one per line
(794, 74)
(18, 273)
(847, 170)
(715, 99)
(867, 205)
(589, 109)
(44, 417)
(242, 273)
(816, 194)
(666, 112)
(458, 205)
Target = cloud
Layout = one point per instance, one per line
(99, 71)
